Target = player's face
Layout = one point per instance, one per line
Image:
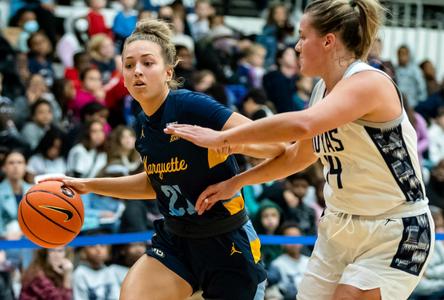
(310, 47)
(144, 71)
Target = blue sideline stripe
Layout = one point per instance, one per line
(123, 238)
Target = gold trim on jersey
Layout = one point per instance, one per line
(234, 205)
(215, 158)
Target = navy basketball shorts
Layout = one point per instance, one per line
(225, 266)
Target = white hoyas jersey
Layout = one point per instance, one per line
(370, 168)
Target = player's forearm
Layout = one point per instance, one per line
(284, 127)
(293, 160)
(263, 150)
(125, 187)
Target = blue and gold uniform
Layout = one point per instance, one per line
(219, 248)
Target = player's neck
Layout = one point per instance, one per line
(336, 72)
(150, 106)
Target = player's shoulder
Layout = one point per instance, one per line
(184, 95)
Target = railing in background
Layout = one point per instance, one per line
(124, 238)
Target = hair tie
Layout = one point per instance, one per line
(352, 3)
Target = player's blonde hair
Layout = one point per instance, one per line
(356, 21)
(158, 32)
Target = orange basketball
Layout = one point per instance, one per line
(51, 214)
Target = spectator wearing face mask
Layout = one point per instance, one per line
(28, 23)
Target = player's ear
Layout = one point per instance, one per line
(169, 74)
(329, 40)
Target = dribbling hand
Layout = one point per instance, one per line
(214, 193)
(78, 184)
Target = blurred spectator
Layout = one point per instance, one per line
(429, 108)
(255, 106)
(185, 67)
(124, 257)
(277, 33)
(22, 69)
(284, 78)
(36, 89)
(92, 278)
(319, 206)
(124, 22)
(96, 21)
(88, 157)
(431, 286)
(12, 188)
(101, 49)
(201, 26)
(6, 274)
(64, 92)
(296, 187)
(203, 80)
(267, 221)
(82, 61)
(429, 72)
(435, 187)
(49, 276)
(436, 137)
(409, 77)
(291, 264)
(122, 152)
(40, 52)
(218, 53)
(93, 111)
(10, 137)
(48, 156)
(179, 37)
(420, 126)
(43, 9)
(72, 41)
(116, 95)
(251, 68)
(27, 21)
(375, 60)
(41, 120)
(304, 86)
(139, 215)
(92, 90)
(103, 212)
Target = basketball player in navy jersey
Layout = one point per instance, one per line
(376, 235)
(218, 252)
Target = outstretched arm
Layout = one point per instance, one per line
(296, 158)
(253, 150)
(366, 95)
(135, 186)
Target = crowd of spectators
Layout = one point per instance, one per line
(64, 110)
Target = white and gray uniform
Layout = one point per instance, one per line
(377, 231)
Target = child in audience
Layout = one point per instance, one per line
(92, 278)
(41, 120)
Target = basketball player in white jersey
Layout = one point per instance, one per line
(376, 235)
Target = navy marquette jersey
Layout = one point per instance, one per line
(179, 170)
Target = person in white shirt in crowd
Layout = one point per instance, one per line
(291, 264)
(88, 157)
(48, 156)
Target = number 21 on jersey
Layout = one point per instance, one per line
(173, 193)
